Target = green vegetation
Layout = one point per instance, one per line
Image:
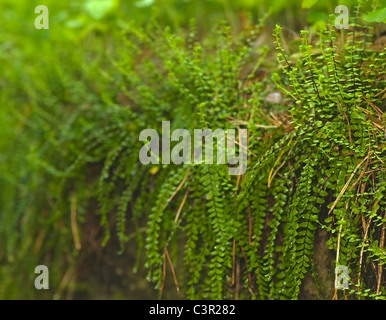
(74, 196)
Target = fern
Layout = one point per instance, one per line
(315, 160)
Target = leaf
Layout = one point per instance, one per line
(99, 8)
(153, 170)
(144, 3)
(376, 16)
(306, 4)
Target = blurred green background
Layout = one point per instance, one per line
(45, 73)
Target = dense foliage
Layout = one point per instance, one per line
(312, 197)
